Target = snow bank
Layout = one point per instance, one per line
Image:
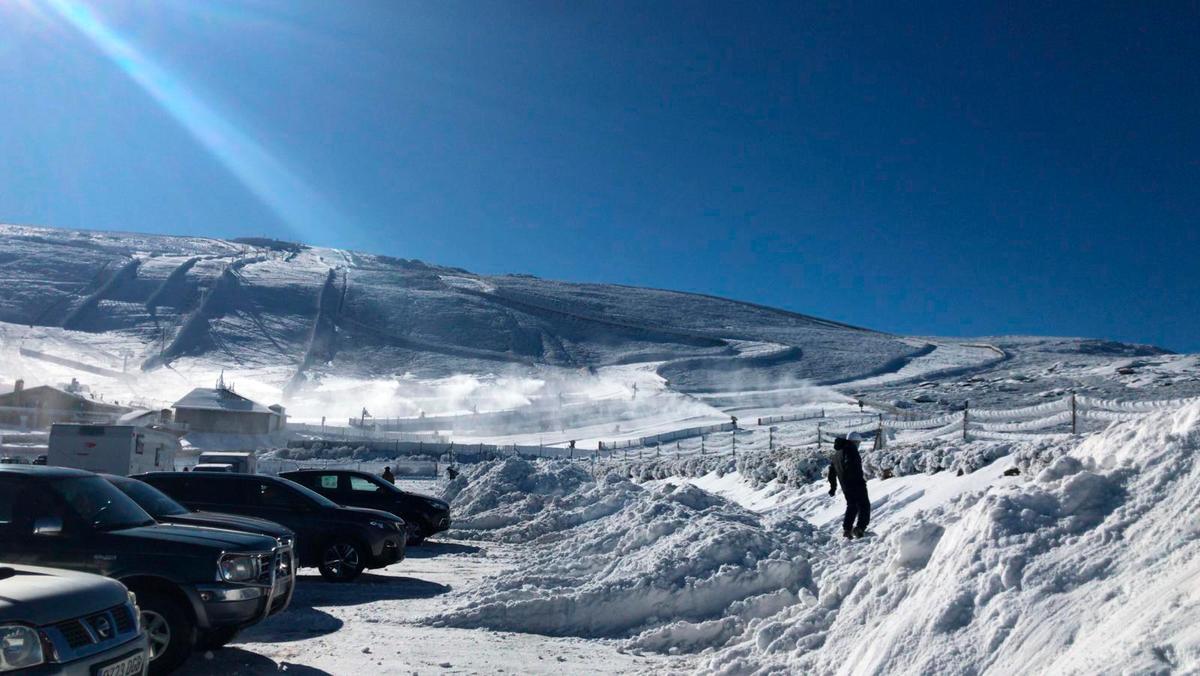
(670, 569)
(1090, 566)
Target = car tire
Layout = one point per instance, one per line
(214, 639)
(170, 629)
(342, 561)
(415, 537)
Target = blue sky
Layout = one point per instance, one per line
(943, 168)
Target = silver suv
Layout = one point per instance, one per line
(62, 622)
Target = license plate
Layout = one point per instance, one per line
(134, 665)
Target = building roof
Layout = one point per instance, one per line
(40, 390)
(220, 399)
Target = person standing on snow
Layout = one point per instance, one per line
(846, 465)
(388, 476)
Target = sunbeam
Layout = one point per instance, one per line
(301, 208)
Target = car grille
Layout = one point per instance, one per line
(279, 560)
(83, 636)
(123, 615)
(74, 632)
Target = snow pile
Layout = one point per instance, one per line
(670, 569)
(1091, 566)
(515, 500)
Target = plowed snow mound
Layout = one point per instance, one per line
(1092, 566)
(672, 568)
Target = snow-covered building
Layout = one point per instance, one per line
(221, 410)
(45, 405)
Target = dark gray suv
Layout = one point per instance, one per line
(64, 622)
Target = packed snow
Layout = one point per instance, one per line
(1084, 563)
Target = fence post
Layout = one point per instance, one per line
(733, 438)
(819, 430)
(966, 415)
(770, 438)
(1074, 419)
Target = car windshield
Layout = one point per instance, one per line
(99, 504)
(149, 498)
(308, 493)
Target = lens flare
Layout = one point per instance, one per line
(297, 204)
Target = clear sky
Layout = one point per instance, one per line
(930, 168)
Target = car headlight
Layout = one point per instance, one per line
(137, 612)
(20, 647)
(384, 525)
(238, 568)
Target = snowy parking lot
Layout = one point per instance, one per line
(372, 627)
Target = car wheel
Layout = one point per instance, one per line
(342, 561)
(416, 536)
(217, 638)
(170, 631)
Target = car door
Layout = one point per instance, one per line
(39, 529)
(278, 502)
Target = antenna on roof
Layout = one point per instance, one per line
(221, 380)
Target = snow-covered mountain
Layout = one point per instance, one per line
(155, 315)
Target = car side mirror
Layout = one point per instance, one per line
(48, 526)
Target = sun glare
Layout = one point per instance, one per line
(297, 204)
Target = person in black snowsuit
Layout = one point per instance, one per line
(846, 465)
(388, 476)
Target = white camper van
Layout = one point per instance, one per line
(112, 449)
(242, 463)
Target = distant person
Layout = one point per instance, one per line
(388, 476)
(451, 473)
(846, 465)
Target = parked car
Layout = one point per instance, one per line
(164, 509)
(425, 515)
(195, 586)
(340, 541)
(41, 460)
(239, 461)
(55, 621)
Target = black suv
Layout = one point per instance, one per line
(425, 515)
(340, 541)
(165, 509)
(195, 586)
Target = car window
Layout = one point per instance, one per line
(149, 498)
(22, 503)
(327, 482)
(210, 488)
(94, 502)
(8, 497)
(271, 494)
(361, 485)
(175, 487)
